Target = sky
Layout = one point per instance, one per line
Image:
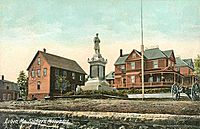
(67, 28)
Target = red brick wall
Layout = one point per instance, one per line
(44, 80)
(161, 64)
(186, 71)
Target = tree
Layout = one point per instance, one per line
(22, 82)
(62, 83)
(197, 65)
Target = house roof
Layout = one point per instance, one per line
(121, 59)
(184, 63)
(60, 62)
(168, 53)
(189, 62)
(110, 76)
(154, 53)
(12, 86)
(180, 62)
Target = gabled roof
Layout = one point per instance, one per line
(121, 59)
(168, 53)
(184, 63)
(180, 62)
(60, 62)
(154, 53)
(110, 76)
(189, 62)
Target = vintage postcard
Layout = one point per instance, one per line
(100, 64)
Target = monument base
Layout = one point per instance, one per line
(96, 84)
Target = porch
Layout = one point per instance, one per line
(157, 80)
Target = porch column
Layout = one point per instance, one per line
(192, 80)
(174, 77)
(161, 79)
(182, 80)
(151, 81)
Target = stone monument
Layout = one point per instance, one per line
(97, 63)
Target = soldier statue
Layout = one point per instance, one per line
(96, 44)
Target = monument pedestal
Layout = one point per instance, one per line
(96, 79)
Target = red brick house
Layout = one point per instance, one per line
(8, 90)
(44, 71)
(159, 69)
(186, 68)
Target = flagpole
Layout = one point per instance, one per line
(142, 52)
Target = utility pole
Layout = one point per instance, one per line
(142, 53)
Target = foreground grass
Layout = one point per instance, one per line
(109, 105)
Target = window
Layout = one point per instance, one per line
(151, 79)
(4, 96)
(45, 71)
(132, 65)
(9, 97)
(158, 79)
(122, 67)
(38, 73)
(133, 55)
(73, 75)
(64, 73)
(7, 87)
(133, 79)
(81, 78)
(169, 63)
(38, 85)
(38, 61)
(32, 73)
(155, 64)
(57, 72)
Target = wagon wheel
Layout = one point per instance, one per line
(195, 92)
(175, 92)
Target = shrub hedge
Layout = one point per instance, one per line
(121, 92)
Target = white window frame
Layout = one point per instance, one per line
(73, 75)
(45, 72)
(122, 67)
(155, 64)
(81, 78)
(133, 78)
(9, 97)
(4, 96)
(38, 84)
(32, 73)
(158, 79)
(133, 55)
(132, 65)
(151, 79)
(38, 61)
(38, 72)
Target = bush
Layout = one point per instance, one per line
(121, 92)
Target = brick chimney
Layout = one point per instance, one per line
(121, 52)
(44, 50)
(2, 77)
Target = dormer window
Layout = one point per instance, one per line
(38, 61)
(122, 67)
(133, 55)
(169, 63)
